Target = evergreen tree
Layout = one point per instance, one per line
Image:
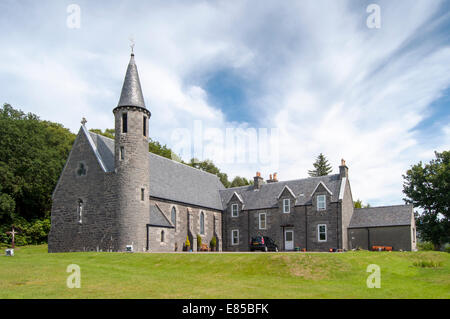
(321, 167)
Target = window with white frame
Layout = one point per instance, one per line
(262, 220)
(234, 210)
(322, 232)
(321, 202)
(286, 205)
(235, 237)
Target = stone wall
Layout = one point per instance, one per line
(213, 224)
(67, 233)
(302, 219)
(132, 175)
(347, 213)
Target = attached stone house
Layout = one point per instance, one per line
(311, 213)
(114, 195)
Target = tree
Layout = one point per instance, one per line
(32, 155)
(109, 132)
(153, 146)
(359, 204)
(240, 181)
(428, 187)
(162, 150)
(210, 167)
(321, 167)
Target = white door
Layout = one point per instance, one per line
(288, 239)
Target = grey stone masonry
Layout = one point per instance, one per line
(132, 170)
(114, 193)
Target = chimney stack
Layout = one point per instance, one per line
(257, 181)
(273, 178)
(343, 169)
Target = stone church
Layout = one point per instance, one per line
(114, 195)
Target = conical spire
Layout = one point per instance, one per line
(131, 90)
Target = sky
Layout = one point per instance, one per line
(293, 78)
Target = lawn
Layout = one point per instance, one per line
(34, 273)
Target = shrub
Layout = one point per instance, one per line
(447, 247)
(426, 245)
(29, 233)
(199, 242)
(427, 264)
(213, 242)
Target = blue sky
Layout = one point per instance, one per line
(380, 98)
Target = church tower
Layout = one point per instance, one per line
(132, 163)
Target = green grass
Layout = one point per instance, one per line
(34, 273)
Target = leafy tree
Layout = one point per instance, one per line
(109, 132)
(428, 187)
(321, 167)
(359, 204)
(240, 181)
(153, 146)
(210, 167)
(162, 150)
(32, 155)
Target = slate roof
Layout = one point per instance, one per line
(131, 94)
(398, 215)
(157, 218)
(266, 196)
(169, 179)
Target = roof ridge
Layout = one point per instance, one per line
(102, 136)
(186, 165)
(397, 205)
(290, 180)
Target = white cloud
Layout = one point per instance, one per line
(315, 71)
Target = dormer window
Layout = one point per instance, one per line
(321, 202)
(234, 210)
(286, 205)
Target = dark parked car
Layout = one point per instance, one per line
(263, 243)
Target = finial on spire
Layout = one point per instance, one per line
(132, 43)
(83, 121)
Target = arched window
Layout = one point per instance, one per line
(162, 236)
(173, 217)
(202, 223)
(80, 211)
